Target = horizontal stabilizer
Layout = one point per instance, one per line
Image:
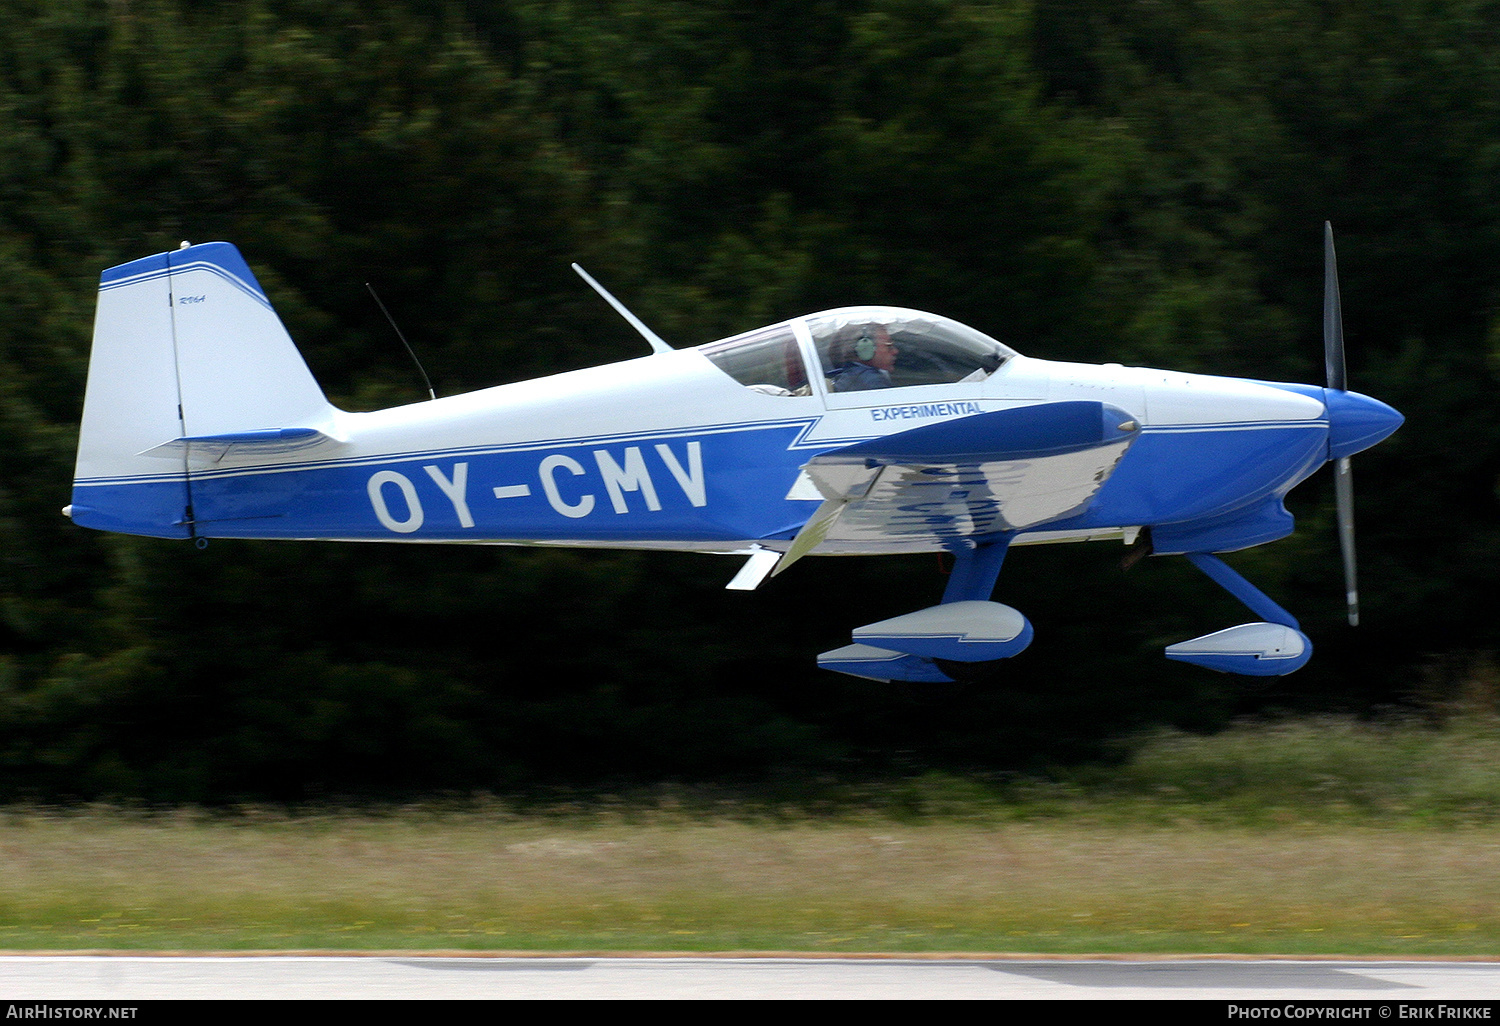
(256, 444)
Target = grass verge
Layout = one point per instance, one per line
(1197, 846)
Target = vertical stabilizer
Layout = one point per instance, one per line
(186, 346)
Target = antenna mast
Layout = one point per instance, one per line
(411, 352)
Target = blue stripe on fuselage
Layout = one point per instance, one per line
(725, 483)
(1180, 474)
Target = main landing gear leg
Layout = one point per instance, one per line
(1266, 649)
(975, 570)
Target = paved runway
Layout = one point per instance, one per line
(127, 978)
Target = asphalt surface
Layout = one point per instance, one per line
(125, 978)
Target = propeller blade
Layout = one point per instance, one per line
(1343, 490)
(1343, 471)
(1333, 318)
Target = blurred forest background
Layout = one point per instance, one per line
(1137, 181)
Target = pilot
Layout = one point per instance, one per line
(867, 356)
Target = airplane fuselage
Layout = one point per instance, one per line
(667, 451)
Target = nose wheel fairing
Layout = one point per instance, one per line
(1251, 649)
(1267, 649)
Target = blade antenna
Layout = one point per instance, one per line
(410, 352)
(658, 345)
(1343, 470)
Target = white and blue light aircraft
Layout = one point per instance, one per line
(862, 430)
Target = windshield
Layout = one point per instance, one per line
(864, 347)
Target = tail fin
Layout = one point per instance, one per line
(186, 350)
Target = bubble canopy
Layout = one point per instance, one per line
(908, 346)
(930, 350)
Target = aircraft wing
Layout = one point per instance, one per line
(996, 472)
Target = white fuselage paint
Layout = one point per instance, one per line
(562, 418)
(607, 441)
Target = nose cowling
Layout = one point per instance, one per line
(1356, 422)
